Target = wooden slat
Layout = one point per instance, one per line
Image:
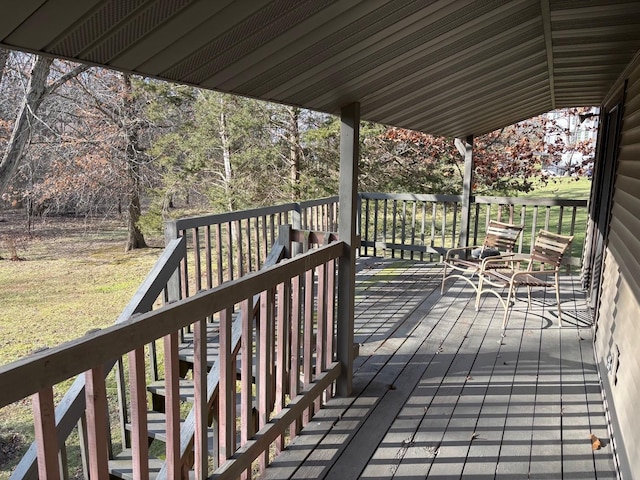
(172, 405)
(200, 399)
(97, 428)
(296, 336)
(307, 345)
(45, 433)
(139, 436)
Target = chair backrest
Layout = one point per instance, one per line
(502, 236)
(549, 248)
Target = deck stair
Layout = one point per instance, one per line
(121, 465)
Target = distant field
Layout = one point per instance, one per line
(563, 187)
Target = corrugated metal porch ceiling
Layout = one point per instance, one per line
(451, 68)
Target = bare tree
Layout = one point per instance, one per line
(37, 91)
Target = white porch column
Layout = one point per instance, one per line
(349, 156)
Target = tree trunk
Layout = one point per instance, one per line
(36, 91)
(226, 155)
(135, 238)
(4, 56)
(294, 151)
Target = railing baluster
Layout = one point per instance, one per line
(422, 228)
(282, 342)
(321, 345)
(534, 227)
(443, 230)
(330, 324)
(97, 431)
(375, 228)
(365, 233)
(122, 403)
(45, 433)
(294, 371)
(172, 405)
(207, 256)
(523, 218)
(476, 224)
(227, 389)
(264, 367)
(403, 229)
(220, 266)
(139, 436)
(307, 347)
(547, 217)
(185, 271)
(413, 225)
(250, 263)
(454, 227)
(239, 249)
(258, 248)
(560, 214)
(197, 267)
(247, 429)
(230, 244)
(84, 446)
(200, 405)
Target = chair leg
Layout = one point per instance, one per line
(444, 276)
(478, 291)
(507, 306)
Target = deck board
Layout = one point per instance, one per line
(438, 393)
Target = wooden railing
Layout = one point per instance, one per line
(423, 227)
(226, 246)
(287, 352)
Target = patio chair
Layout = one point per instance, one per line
(466, 262)
(542, 270)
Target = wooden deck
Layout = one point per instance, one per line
(439, 394)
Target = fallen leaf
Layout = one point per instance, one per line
(595, 442)
(474, 435)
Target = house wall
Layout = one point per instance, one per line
(617, 338)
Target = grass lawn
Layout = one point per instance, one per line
(562, 187)
(73, 277)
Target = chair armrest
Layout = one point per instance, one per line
(504, 258)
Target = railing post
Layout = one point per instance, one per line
(284, 239)
(466, 149)
(349, 155)
(173, 285)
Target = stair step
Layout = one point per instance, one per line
(185, 389)
(122, 466)
(185, 349)
(157, 428)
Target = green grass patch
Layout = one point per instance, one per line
(562, 187)
(74, 277)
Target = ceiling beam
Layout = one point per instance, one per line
(546, 24)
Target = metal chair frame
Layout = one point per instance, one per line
(499, 235)
(543, 262)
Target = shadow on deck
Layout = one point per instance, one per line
(439, 394)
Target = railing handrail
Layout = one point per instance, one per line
(483, 199)
(226, 217)
(542, 202)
